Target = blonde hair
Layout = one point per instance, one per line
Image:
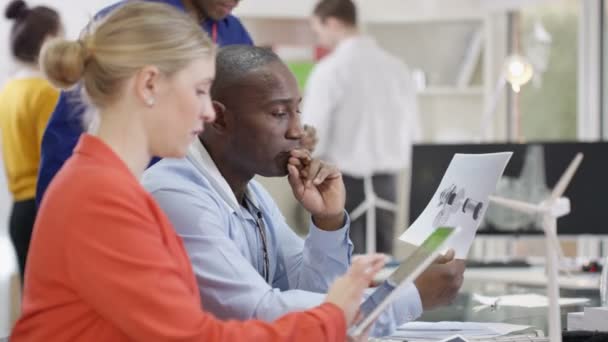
(114, 48)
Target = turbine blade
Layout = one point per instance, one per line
(563, 182)
(516, 205)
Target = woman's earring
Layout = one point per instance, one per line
(150, 101)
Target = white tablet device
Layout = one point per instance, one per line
(407, 272)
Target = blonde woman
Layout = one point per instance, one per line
(105, 263)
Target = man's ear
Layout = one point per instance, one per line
(147, 85)
(220, 117)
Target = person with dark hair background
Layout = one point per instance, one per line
(26, 103)
(71, 116)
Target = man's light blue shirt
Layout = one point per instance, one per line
(226, 250)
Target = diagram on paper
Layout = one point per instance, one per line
(453, 199)
(461, 200)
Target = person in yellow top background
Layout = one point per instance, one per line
(26, 102)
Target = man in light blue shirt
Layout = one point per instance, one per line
(247, 260)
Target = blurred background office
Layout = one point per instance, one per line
(27, 100)
(467, 58)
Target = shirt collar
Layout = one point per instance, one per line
(201, 159)
(225, 21)
(175, 3)
(356, 39)
(208, 21)
(26, 72)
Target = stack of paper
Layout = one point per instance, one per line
(430, 331)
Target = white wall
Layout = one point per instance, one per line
(75, 15)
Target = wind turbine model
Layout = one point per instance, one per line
(551, 208)
(368, 207)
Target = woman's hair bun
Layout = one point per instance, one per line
(63, 62)
(17, 9)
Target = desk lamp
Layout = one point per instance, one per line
(517, 71)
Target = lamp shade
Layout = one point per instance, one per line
(518, 71)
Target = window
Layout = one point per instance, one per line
(548, 37)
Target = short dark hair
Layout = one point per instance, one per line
(343, 10)
(235, 62)
(31, 27)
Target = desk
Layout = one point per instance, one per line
(462, 308)
(530, 336)
(496, 282)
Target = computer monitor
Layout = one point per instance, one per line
(531, 174)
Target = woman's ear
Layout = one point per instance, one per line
(147, 85)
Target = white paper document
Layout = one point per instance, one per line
(461, 199)
(433, 331)
(522, 300)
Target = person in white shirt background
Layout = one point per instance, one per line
(361, 100)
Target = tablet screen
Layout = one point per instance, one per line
(408, 271)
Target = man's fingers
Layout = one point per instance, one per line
(311, 130)
(300, 158)
(450, 254)
(313, 170)
(447, 257)
(294, 178)
(364, 267)
(294, 173)
(309, 138)
(326, 172)
(302, 154)
(295, 162)
(460, 265)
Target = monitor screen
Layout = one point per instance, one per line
(532, 172)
